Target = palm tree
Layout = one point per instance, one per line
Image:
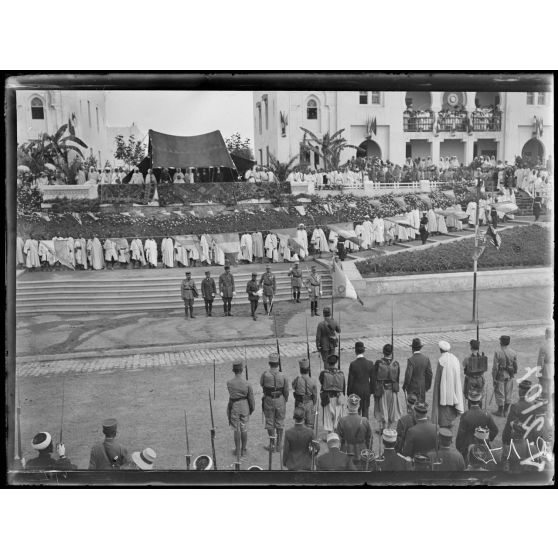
(329, 147)
(281, 170)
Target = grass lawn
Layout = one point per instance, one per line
(527, 246)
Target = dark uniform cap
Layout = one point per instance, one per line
(273, 358)
(299, 414)
(411, 399)
(353, 401)
(474, 395)
(416, 344)
(110, 423)
(238, 365)
(421, 459)
(525, 385)
(475, 345)
(481, 433)
(327, 311)
(227, 266)
(188, 273)
(359, 345)
(421, 408)
(304, 364)
(332, 359)
(445, 433)
(387, 349)
(254, 274)
(207, 272)
(505, 340)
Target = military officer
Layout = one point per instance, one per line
(446, 458)
(209, 291)
(334, 459)
(474, 367)
(361, 376)
(314, 286)
(519, 411)
(42, 442)
(405, 422)
(333, 385)
(305, 391)
(421, 438)
(108, 454)
(390, 460)
(354, 431)
(267, 282)
(252, 289)
(421, 462)
(189, 292)
(241, 406)
(275, 395)
(227, 290)
(504, 368)
(296, 281)
(326, 335)
(297, 455)
(470, 420)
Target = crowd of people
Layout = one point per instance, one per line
(451, 439)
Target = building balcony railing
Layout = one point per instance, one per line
(454, 121)
(422, 123)
(487, 122)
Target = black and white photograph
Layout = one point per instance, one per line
(280, 279)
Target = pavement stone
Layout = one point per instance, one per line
(222, 355)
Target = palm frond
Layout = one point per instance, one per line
(311, 134)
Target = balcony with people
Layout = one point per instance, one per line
(418, 115)
(487, 116)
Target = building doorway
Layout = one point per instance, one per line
(369, 148)
(533, 151)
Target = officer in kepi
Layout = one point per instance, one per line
(267, 282)
(189, 292)
(252, 288)
(275, 395)
(305, 391)
(241, 406)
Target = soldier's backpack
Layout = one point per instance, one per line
(332, 335)
(477, 364)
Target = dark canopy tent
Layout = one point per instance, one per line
(242, 164)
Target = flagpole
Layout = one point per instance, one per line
(478, 186)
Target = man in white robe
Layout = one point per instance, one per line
(150, 250)
(302, 240)
(111, 255)
(31, 251)
(137, 254)
(95, 253)
(167, 252)
(246, 247)
(137, 177)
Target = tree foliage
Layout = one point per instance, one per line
(237, 145)
(281, 170)
(29, 197)
(328, 147)
(132, 152)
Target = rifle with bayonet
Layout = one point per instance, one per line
(212, 432)
(315, 442)
(245, 363)
(339, 344)
(62, 411)
(277, 342)
(18, 455)
(237, 464)
(188, 454)
(308, 347)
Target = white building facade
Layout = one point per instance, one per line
(394, 125)
(44, 111)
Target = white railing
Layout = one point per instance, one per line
(374, 189)
(74, 191)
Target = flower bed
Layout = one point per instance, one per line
(521, 247)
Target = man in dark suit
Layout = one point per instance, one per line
(296, 449)
(518, 412)
(326, 336)
(470, 420)
(391, 460)
(361, 377)
(418, 375)
(405, 422)
(421, 438)
(446, 458)
(334, 459)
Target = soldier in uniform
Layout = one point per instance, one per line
(334, 459)
(421, 462)
(391, 460)
(305, 391)
(332, 381)
(241, 406)
(189, 292)
(297, 454)
(252, 289)
(296, 281)
(504, 368)
(227, 290)
(479, 454)
(354, 431)
(267, 282)
(421, 438)
(405, 422)
(361, 378)
(209, 291)
(446, 458)
(386, 389)
(275, 395)
(326, 335)
(471, 420)
(474, 367)
(42, 442)
(418, 374)
(314, 286)
(108, 454)
(519, 411)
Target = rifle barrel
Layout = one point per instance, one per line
(245, 363)
(277, 342)
(213, 385)
(62, 412)
(308, 346)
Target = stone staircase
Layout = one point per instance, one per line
(524, 202)
(130, 291)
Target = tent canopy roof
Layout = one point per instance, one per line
(205, 150)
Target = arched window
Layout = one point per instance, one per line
(37, 109)
(312, 110)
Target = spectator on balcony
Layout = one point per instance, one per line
(178, 177)
(137, 177)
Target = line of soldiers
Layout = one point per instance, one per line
(265, 287)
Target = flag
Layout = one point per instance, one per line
(492, 237)
(77, 217)
(347, 232)
(62, 252)
(301, 210)
(92, 216)
(342, 285)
